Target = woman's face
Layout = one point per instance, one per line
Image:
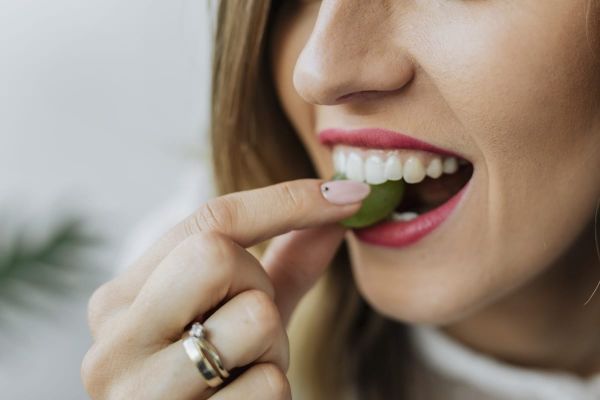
(511, 86)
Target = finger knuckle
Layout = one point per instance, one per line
(213, 247)
(291, 195)
(276, 381)
(263, 313)
(99, 303)
(94, 372)
(215, 214)
(86, 370)
(105, 367)
(214, 242)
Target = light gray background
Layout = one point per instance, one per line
(103, 107)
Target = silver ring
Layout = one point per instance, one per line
(210, 375)
(204, 355)
(198, 331)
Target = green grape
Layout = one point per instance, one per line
(381, 202)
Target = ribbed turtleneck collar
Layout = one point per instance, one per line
(448, 357)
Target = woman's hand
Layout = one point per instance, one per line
(201, 271)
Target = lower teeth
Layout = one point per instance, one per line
(404, 216)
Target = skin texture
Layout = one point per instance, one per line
(514, 87)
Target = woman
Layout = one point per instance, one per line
(490, 111)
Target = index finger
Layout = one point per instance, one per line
(250, 217)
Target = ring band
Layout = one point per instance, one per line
(198, 331)
(207, 371)
(211, 353)
(204, 355)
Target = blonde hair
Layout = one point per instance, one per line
(339, 344)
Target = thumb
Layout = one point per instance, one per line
(295, 260)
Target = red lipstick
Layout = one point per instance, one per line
(378, 138)
(390, 233)
(401, 234)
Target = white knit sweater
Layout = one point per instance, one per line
(451, 371)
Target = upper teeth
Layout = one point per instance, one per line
(378, 166)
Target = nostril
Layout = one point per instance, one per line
(366, 95)
(362, 94)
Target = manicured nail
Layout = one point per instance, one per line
(345, 191)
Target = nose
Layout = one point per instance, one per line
(353, 50)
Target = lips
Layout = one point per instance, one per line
(428, 203)
(379, 139)
(399, 234)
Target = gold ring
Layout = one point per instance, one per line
(208, 372)
(198, 331)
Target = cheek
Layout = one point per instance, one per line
(529, 96)
(510, 77)
(514, 72)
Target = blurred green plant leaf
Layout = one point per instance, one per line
(57, 266)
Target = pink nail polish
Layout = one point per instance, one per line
(345, 191)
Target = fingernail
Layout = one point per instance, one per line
(345, 191)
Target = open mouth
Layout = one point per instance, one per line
(435, 179)
(430, 179)
(433, 185)
(431, 193)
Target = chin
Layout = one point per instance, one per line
(428, 293)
